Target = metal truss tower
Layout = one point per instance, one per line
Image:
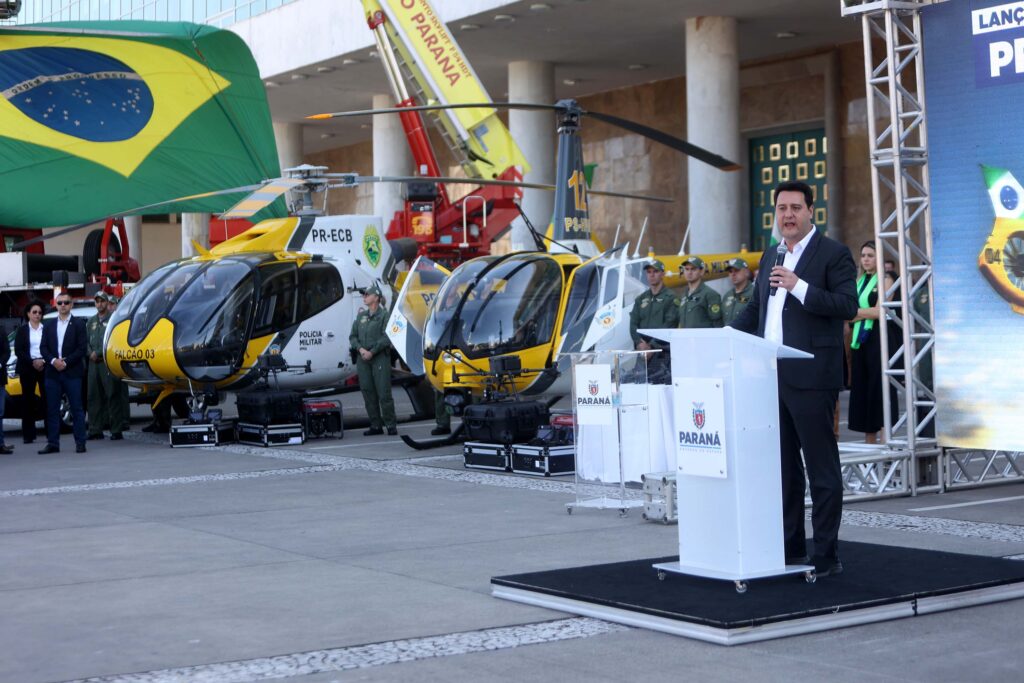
(897, 135)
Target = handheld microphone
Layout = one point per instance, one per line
(780, 258)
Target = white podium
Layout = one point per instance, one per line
(728, 481)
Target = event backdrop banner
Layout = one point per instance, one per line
(974, 80)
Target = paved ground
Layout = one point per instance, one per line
(360, 559)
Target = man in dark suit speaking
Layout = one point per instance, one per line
(63, 349)
(803, 303)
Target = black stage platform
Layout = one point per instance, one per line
(879, 583)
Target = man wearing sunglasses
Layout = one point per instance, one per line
(63, 349)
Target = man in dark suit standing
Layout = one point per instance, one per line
(63, 349)
(815, 296)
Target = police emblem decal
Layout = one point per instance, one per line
(372, 246)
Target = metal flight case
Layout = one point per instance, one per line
(543, 460)
(204, 433)
(271, 435)
(486, 456)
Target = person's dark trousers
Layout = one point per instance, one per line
(30, 379)
(55, 387)
(805, 421)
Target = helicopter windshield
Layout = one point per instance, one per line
(211, 320)
(497, 305)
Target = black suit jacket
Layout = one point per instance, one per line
(22, 349)
(815, 326)
(73, 352)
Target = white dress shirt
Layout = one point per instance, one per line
(35, 338)
(773, 314)
(62, 328)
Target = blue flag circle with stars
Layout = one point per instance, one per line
(1008, 197)
(77, 92)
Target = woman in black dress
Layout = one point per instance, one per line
(30, 368)
(865, 353)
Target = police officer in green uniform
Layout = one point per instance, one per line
(657, 308)
(442, 417)
(738, 297)
(702, 306)
(104, 408)
(373, 363)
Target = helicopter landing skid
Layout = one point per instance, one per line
(450, 440)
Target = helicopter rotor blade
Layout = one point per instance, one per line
(675, 143)
(437, 107)
(658, 136)
(501, 183)
(137, 209)
(263, 197)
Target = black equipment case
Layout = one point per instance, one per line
(205, 433)
(271, 435)
(265, 406)
(543, 460)
(486, 456)
(504, 421)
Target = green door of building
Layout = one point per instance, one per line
(776, 159)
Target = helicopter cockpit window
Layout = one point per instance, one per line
(439, 326)
(138, 294)
(319, 288)
(158, 300)
(512, 306)
(211, 320)
(276, 308)
(584, 300)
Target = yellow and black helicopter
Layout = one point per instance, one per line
(528, 307)
(287, 287)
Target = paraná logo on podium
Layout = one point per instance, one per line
(698, 415)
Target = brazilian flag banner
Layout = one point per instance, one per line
(97, 118)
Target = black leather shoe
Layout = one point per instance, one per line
(6, 450)
(161, 429)
(116, 437)
(826, 567)
(95, 437)
(28, 440)
(392, 431)
(49, 448)
(440, 431)
(151, 427)
(803, 559)
(80, 448)
(373, 431)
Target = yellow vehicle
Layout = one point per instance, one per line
(564, 297)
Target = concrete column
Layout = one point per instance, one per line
(133, 228)
(194, 226)
(712, 122)
(834, 137)
(534, 132)
(288, 137)
(391, 156)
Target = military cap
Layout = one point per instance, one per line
(103, 296)
(695, 261)
(373, 289)
(737, 263)
(655, 264)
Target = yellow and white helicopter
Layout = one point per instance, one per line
(567, 296)
(288, 287)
